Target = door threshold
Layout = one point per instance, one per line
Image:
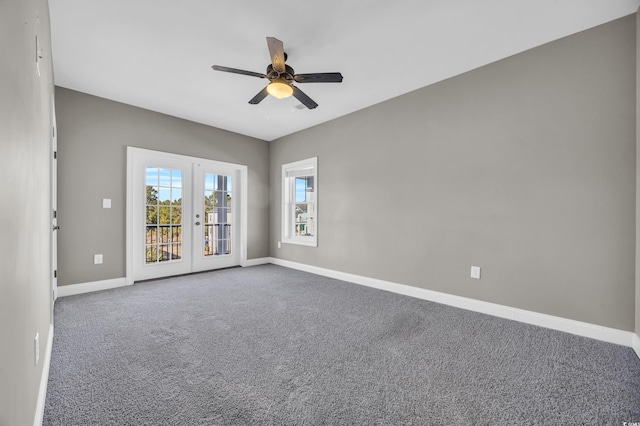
(187, 274)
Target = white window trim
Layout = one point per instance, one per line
(311, 165)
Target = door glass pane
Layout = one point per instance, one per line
(163, 241)
(217, 215)
(164, 195)
(176, 215)
(152, 176)
(165, 177)
(164, 216)
(176, 179)
(208, 182)
(152, 214)
(176, 196)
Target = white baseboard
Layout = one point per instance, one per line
(70, 290)
(255, 262)
(593, 331)
(44, 380)
(579, 328)
(635, 344)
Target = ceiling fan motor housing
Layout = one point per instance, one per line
(287, 75)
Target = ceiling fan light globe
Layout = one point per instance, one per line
(280, 89)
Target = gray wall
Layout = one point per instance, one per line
(93, 134)
(25, 149)
(525, 167)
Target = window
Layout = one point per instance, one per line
(300, 202)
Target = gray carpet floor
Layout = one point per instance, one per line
(267, 345)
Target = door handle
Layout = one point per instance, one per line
(197, 223)
(55, 228)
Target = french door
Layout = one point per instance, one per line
(186, 214)
(216, 231)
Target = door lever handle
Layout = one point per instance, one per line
(55, 228)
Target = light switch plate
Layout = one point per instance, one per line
(97, 259)
(106, 203)
(475, 272)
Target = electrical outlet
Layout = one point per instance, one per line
(475, 272)
(97, 259)
(106, 203)
(36, 349)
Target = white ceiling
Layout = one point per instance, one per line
(157, 54)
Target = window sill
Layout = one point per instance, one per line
(309, 243)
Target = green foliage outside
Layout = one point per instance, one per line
(162, 212)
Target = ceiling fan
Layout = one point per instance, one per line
(281, 77)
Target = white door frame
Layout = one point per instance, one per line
(133, 156)
(54, 207)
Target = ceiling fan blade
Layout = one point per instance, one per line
(237, 71)
(302, 97)
(321, 77)
(259, 97)
(276, 50)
